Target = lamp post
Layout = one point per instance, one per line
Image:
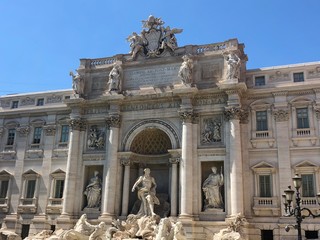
(297, 210)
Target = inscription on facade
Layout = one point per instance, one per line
(157, 76)
(149, 106)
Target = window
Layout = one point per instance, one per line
(260, 81)
(266, 235)
(58, 191)
(265, 185)
(262, 120)
(31, 186)
(11, 135)
(308, 185)
(37, 135)
(15, 104)
(64, 133)
(4, 184)
(311, 235)
(302, 118)
(298, 77)
(25, 230)
(40, 102)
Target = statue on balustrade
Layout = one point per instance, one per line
(233, 65)
(93, 191)
(77, 84)
(211, 188)
(146, 186)
(115, 78)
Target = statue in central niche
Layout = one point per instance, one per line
(146, 186)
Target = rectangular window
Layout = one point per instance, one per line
(25, 230)
(265, 185)
(4, 188)
(260, 81)
(262, 120)
(11, 136)
(307, 185)
(302, 118)
(266, 235)
(59, 185)
(311, 235)
(298, 77)
(37, 135)
(15, 104)
(64, 133)
(31, 187)
(40, 102)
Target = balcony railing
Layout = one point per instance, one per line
(55, 201)
(309, 201)
(303, 132)
(265, 202)
(28, 201)
(262, 134)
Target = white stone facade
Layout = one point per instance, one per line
(242, 122)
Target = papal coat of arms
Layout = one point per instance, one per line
(154, 40)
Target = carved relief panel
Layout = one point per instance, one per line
(96, 138)
(211, 130)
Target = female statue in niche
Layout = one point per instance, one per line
(211, 188)
(93, 191)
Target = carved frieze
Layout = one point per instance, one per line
(149, 106)
(314, 73)
(211, 130)
(279, 76)
(23, 130)
(50, 130)
(210, 100)
(96, 139)
(5, 103)
(113, 121)
(27, 101)
(54, 99)
(77, 124)
(281, 115)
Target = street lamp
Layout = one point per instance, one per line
(297, 210)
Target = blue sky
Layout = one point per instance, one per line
(42, 40)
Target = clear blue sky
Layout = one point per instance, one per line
(42, 40)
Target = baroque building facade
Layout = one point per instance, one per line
(189, 114)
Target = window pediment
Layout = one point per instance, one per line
(306, 166)
(263, 167)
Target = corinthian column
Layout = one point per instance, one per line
(111, 168)
(186, 178)
(233, 114)
(76, 125)
(174, 185)
(126, 188)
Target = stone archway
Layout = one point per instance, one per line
(150, 150)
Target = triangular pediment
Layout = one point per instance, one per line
(262, 165)
(58, 171)
(305, 164)
(30, 172)
(5, 173)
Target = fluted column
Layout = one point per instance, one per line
(234, 114)
(76, 125)
(111, 167)
(126, 188)
(174, 185)
(186, 179)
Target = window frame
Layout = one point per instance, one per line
(264, 169)
(5, 202)
(14, 104)
(11, 139)
(298, 79)
(259, 77)
(263, 123)
(40, 102)
(64, 135)
(302, 122)
(29, 176)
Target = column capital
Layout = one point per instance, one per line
(125, 161)
(188, 116)
(236, 113)
(113, 120)
(1, 131)
(317, 111)
(77, 124)
(174, 160)
(281, 115)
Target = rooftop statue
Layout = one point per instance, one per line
(154, 40)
